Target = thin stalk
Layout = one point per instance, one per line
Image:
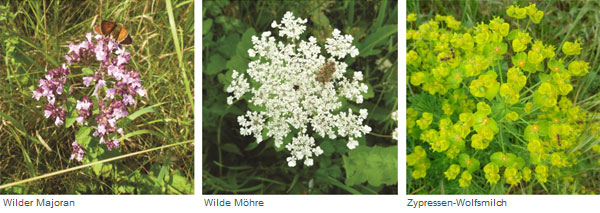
(90, 164)
(179, 53)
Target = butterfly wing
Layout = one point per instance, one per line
(106, 27)
(127, 40)
(98, 30)
(123, 34)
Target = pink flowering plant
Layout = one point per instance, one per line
(98, 99)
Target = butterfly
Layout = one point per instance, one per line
(117, 31)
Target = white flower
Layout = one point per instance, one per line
(340, 45)
(238, 86)
(302, 147)
(252, 125)
(292, 28)
(396, 133)
(285, 86)
(352, 143)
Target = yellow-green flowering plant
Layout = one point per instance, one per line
(491, 110)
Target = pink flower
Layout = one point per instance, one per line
(114, 88)
(78, 151)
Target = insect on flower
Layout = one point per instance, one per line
(450, 57)
(116, 31)
(558, 139)
(325, 72)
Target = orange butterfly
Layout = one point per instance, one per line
(115, 30)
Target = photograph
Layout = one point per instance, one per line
(502, 98)
(300, 97)
(96, 97)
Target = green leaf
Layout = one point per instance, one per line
(375, 165)
(228, 45)
(216, 64)
(381, 14)
(231, 148)
(70, 119)
(327, 147)
(245, 43)
(180, 183)
(237, 63)
(163, 170)
(375, 39)
(83, 136)
(206, 24)
(87, 71)
(251, 146)
(140, 112)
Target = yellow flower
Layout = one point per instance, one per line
(452, 172)
(526, 174)
(528, 107)
(535, 57)
(541, 173)
(516, 12)
(412, 58)
(440, 145)
(511, 116)
(479, 142)
(512, 175)
(465, 179)
(419, 173)
(410, 34)
(537, 16)
(425, 121)
(570, 48)
(411, 17)
(417, 78)
(484, 108)
(579, 68)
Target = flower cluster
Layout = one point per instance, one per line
(50, 87)
(300, 91)
(114, 88)
(486, 103)
(78, 151)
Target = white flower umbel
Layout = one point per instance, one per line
(290, 27)
(299, 90)
(302, 147)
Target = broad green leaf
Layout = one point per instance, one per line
(83, 136)
(216, 64)
(375, 165)
(237, 63)
(228, 45)
(206, 25)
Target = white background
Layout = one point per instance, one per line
(301, 203)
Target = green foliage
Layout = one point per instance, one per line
(377, 165)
